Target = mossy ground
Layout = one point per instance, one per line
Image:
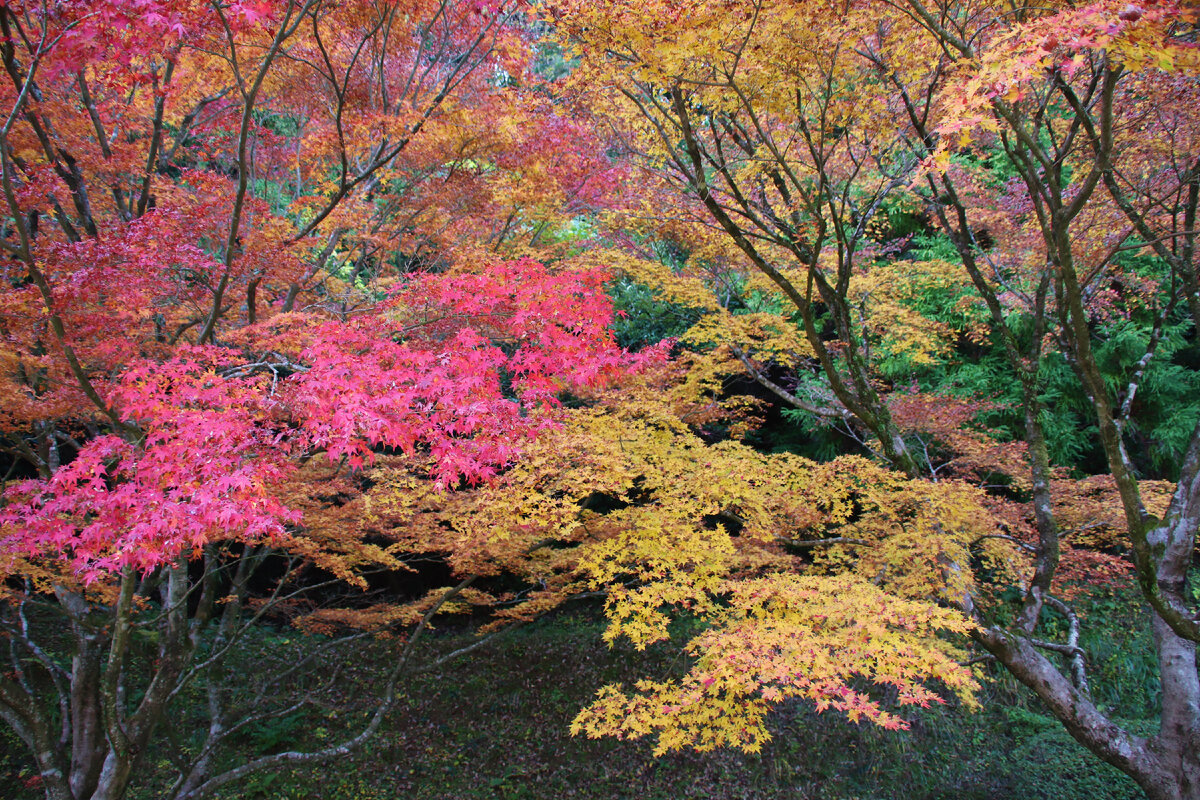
(494, 726)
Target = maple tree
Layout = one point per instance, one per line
(1045, 145)
(294, 301)
(229, 289)
(663, 523)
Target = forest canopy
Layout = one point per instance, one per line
(857, 341)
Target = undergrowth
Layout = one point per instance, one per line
(494, 726)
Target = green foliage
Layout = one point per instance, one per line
(1123, 669)
(270, 735)
(643, 318)
(1167, 400)
(276, 194)
(815, 439)
(934, 247)
(552, 63)
(1168, 397)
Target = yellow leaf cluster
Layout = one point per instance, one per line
(786, 636)
(886, 295)
(805, 579)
